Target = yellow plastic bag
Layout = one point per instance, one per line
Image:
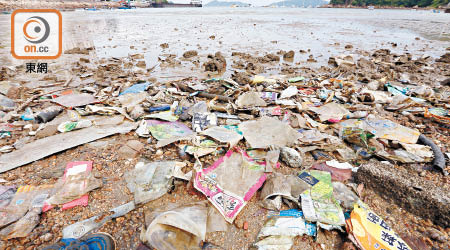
(370, 232)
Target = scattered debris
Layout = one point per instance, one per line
(75, 100)
(198, 156)
(268, 131)
(49, 145)
(180, 228)
(149, 181)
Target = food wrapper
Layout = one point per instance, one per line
(318, 202)
(370, 232)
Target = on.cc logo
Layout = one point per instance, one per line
(36, 29)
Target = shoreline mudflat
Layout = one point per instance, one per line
(67, 5)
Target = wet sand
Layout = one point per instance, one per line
(320, 33)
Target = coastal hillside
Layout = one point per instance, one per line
(300, 3)
(396, 3)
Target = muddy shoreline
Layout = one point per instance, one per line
(111, 156)
(205, 71)
(72, 5)
(63, 6)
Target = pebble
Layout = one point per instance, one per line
(437, 235)
(47, 237)
(120, 220)
(239, 223)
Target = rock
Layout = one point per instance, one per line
(366, 64)
(446, 82)
(289, 55)
(346, 60)
(239, 222)
(137, 56)
(269, 58)
(190, 53)
(47, 237)
(429, 201)
(241, 77)
(216, 63)
(291, 157)
(348, 46)
(164, 45)
(437, 235)
(311, 59)
(444, 58)
(141, 64)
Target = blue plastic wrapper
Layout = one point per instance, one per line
(28, 115)
(311, 227)
(160, 108)
(137, 88)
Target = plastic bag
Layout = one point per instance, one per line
(230, 182)
(370, 232)
(318, 202)
(180, 228)
(149, 181)
(71, 189)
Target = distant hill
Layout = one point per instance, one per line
(399, 3)
(216, 3)
(300, 3)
